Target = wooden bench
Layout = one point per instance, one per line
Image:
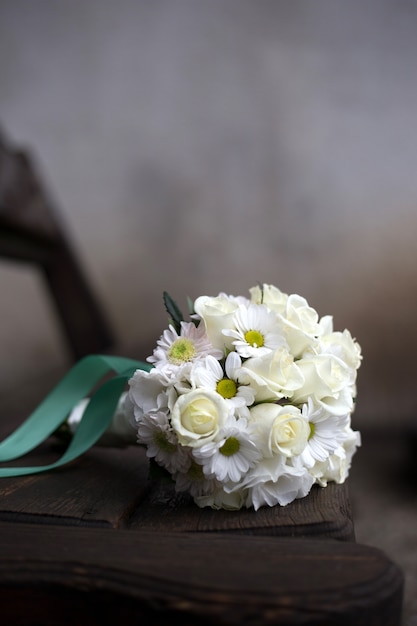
(98, 541)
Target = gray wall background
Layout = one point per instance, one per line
(203, 146)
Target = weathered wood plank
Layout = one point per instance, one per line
(323, 513)
(100, 489)
(50, 575)
(110, 487)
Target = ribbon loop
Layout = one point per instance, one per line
(78, 383)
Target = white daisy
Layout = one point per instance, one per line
(162, 444)
(209, 374)
(231, 456)
(175, 350)
(336, 467)
(326, 433)
(195, 482)
(258, 331)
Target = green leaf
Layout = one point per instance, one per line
(191, 310)
(174, 312)
(190, 304)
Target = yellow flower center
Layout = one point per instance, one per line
(226, 388)
(195, 471)
(181, 351)
(162, 442)
(230, 446)
(312, 430)
(254, 338)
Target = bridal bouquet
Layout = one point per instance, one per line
(249, 402)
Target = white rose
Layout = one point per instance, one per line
(283, 429)
(301, 324)
(327, 380)
(217, 314)
(326, 324)
(197, 416)
(274, 299)
(342, 345)
(221, 499)
(272, 376)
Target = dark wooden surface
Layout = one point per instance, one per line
(97, 541)
(111, 488)
(102, 576)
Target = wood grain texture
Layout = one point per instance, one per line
(97, 541)
(323, 513)
(102, 488)
(111, 487)
(222, 579)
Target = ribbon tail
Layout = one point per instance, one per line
(56, 407)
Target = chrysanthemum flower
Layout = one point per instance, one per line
(326, 433)
(257, 331)
(231, 456)
(175, 350)
(195, 482)
(209, 374)
(148, 392)
(336, 467)
(161, 443)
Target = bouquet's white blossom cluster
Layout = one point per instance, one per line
(249, 403)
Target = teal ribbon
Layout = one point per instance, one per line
(77, 384)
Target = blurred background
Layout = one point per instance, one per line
(204, 146)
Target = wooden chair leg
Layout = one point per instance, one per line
(83, 323)
(31, 231)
